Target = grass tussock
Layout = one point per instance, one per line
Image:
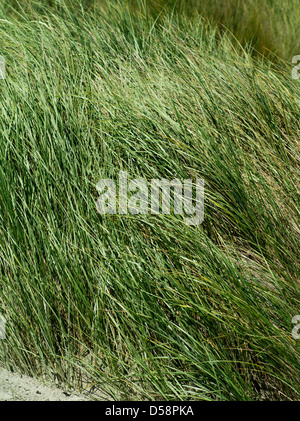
(146, 306)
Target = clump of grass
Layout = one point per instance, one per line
(147, 305)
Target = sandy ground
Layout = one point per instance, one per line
(16, 387)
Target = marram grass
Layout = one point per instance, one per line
(145, 306)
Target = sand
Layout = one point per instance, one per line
(16, 387)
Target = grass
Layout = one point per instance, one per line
(270, 26)
(147, 307)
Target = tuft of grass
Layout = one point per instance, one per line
(147, 307)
